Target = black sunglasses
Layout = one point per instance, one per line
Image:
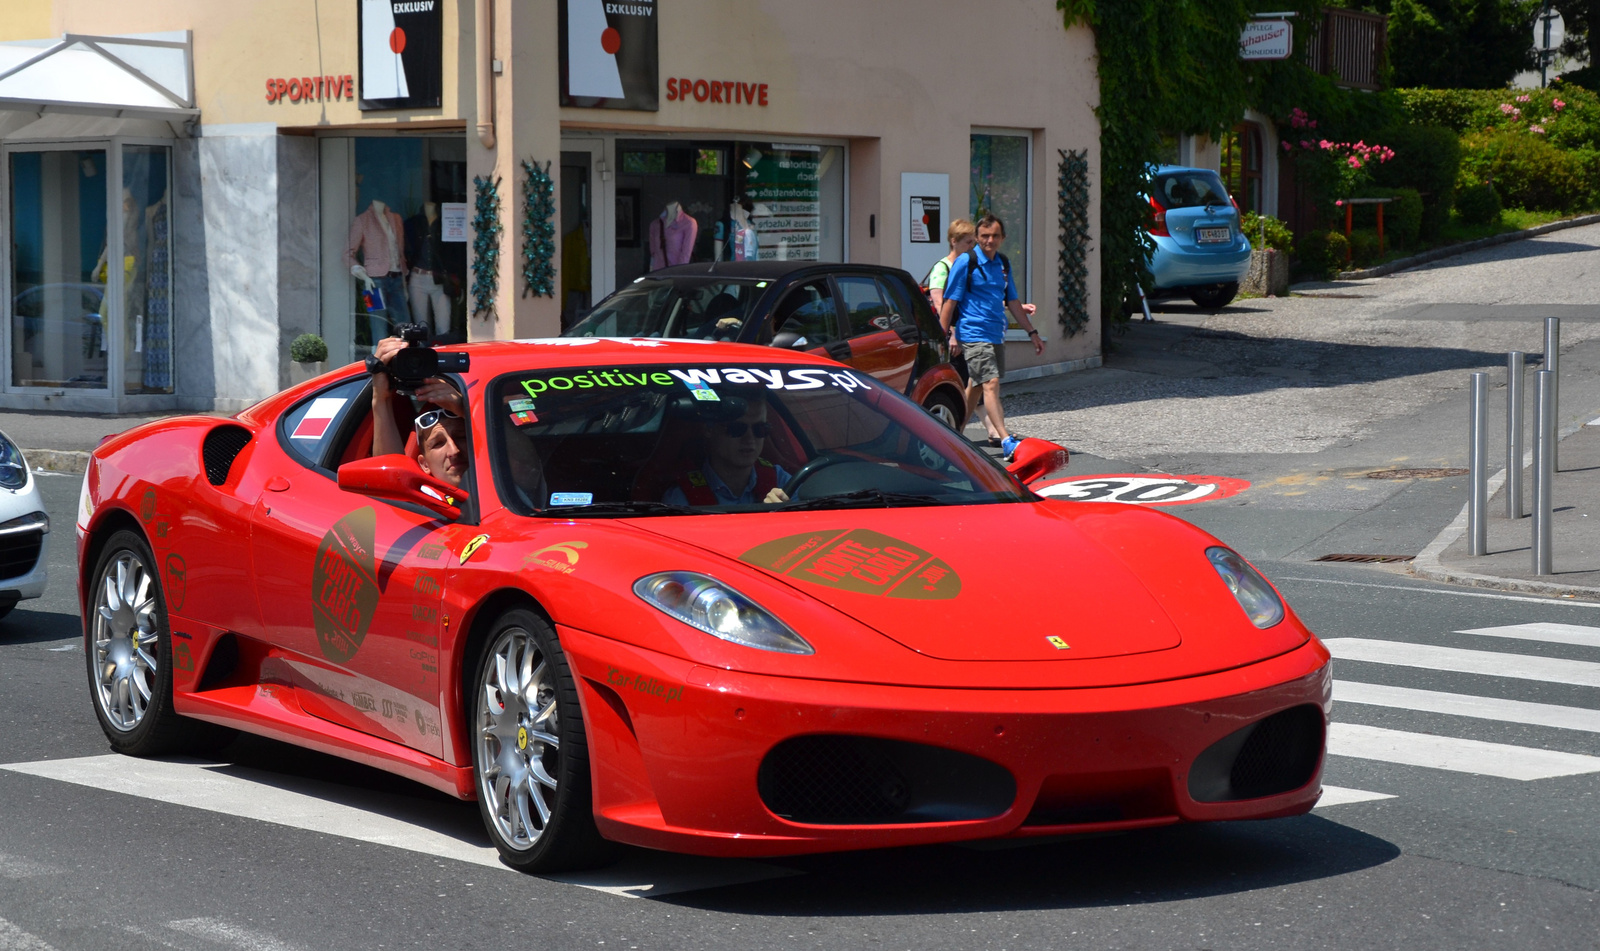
(432, 418)
(736, 429)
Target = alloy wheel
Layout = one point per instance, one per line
(126, 632)
(519, 746)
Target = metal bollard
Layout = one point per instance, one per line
(1478, 467)
(1552, 363)
(1514, 387)
(1544, 463)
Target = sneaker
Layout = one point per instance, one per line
(1008, 447)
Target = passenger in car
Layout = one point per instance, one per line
(441, 426)
(733, 471)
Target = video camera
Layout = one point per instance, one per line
(411, 367)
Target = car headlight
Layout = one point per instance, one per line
(1261, 604)
(708, 604)
(13, 468)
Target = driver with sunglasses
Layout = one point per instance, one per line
(733, 471)
(443, 450)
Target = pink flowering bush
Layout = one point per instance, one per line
(1335, 169)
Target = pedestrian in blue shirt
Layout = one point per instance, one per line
(977, 296)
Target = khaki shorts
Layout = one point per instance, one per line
(985, 362)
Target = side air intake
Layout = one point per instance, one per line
(221, 447)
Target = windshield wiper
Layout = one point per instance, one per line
(864, 498)
(621, 508)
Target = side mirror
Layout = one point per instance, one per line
(789, 340)
(397, 478)
(1032, 459)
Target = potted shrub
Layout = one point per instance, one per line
(308, 354)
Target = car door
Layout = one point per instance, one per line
(806, 318)
(883, 341)
(349, 586)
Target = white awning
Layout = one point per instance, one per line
(142, 75)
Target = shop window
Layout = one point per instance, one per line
(147, 288)
(681, 202)
(1001, 186)
(394, 238)
(1241, 164)
(60, 312)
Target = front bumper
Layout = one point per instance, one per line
(677, 750)
(23, 564)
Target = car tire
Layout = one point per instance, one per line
(945, 408)
(1215, 296)
(530, 757)
(128, 651)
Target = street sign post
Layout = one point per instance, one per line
(1266, 40)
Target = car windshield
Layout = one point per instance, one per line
(682, 439)
(1190, 189)
(695, 307)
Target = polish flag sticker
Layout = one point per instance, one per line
(318, 418)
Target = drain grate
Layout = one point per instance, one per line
(1367, 559)
(1416, 473)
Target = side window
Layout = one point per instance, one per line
(906, 311)
(807, 310)
(310, 428)
(864, 309)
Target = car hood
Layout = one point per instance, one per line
(1002, 582)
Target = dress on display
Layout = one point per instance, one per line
(158, 301)
(672, 242)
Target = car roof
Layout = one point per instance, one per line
(764, 270)
(1165, 169)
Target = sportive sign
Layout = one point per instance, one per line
(1142, 489)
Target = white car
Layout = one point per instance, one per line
(23, 526)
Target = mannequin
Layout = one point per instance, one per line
(378, 235)
(425, 239)
(672, 237)
(735, 236)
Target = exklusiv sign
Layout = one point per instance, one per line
(609, 54)
(401, 54)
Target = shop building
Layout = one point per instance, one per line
(261, 171)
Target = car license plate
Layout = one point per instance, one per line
(1213, 235)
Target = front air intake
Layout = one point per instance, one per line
(1274, 755)
(860, 780)
(223, 445)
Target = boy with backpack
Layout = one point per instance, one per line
(977, 296)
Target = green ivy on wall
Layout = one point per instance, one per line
(485, 245)
(538, 230)
(1168, 67)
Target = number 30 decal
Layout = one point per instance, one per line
(1143, 489)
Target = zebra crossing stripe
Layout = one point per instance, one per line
(1575, 634)
(1340, 796)
(1464, 705)
(1455, 754)
(365, 816)
(1554, 670)
(13, 938)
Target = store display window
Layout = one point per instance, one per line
(681, 202)
(394, 238)
(91, 281)
(1001, 166)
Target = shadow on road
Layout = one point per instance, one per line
(24, 626)
(1159, 865)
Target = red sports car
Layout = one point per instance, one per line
(717, 599)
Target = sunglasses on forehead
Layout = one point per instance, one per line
(432, 418)
(736, 429)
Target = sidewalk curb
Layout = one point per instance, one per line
(1426, 564)
(58, 460)
(1428, 257)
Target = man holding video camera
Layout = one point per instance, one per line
(444, 452)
